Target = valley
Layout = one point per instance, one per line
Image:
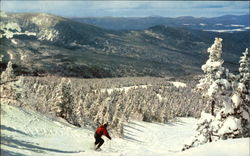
(44, 44)
(226, 23)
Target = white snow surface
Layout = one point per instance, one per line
(230, 125)
(29, 133)
(230, 147)
(179, 84)
(125, 89)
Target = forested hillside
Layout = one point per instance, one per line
(44, 44)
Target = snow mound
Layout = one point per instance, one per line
(230, 147)
(231, 124)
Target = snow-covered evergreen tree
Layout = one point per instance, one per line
(65, 102)
(9, 89)
(241, 96)
(8, 74)
(229, 120)
(234, 117)
(216, 76)
(245, 68)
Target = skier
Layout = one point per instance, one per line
(98, 135)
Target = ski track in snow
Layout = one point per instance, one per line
(31, 134)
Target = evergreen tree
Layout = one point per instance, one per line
(8, 74)
(65, 102)
(216, 77)
(231, 119)
(244, 68)
(9, 88)
(241, 97)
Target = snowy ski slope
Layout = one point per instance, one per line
(28, 133)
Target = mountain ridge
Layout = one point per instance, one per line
(70, 48)
(140, 23)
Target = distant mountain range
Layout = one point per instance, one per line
(227, 23)
(40, 43)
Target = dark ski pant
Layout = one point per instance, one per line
(98, 140)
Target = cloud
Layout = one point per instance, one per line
(211, 6)
(129, 8)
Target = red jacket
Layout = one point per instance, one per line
(102, 131)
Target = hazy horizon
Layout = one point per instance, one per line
(129, 8)
(125, 16)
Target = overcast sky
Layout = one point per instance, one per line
(129, 8)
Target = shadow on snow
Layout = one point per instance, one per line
(24, 145)
(3, 127)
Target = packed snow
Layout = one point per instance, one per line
(29, 133)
